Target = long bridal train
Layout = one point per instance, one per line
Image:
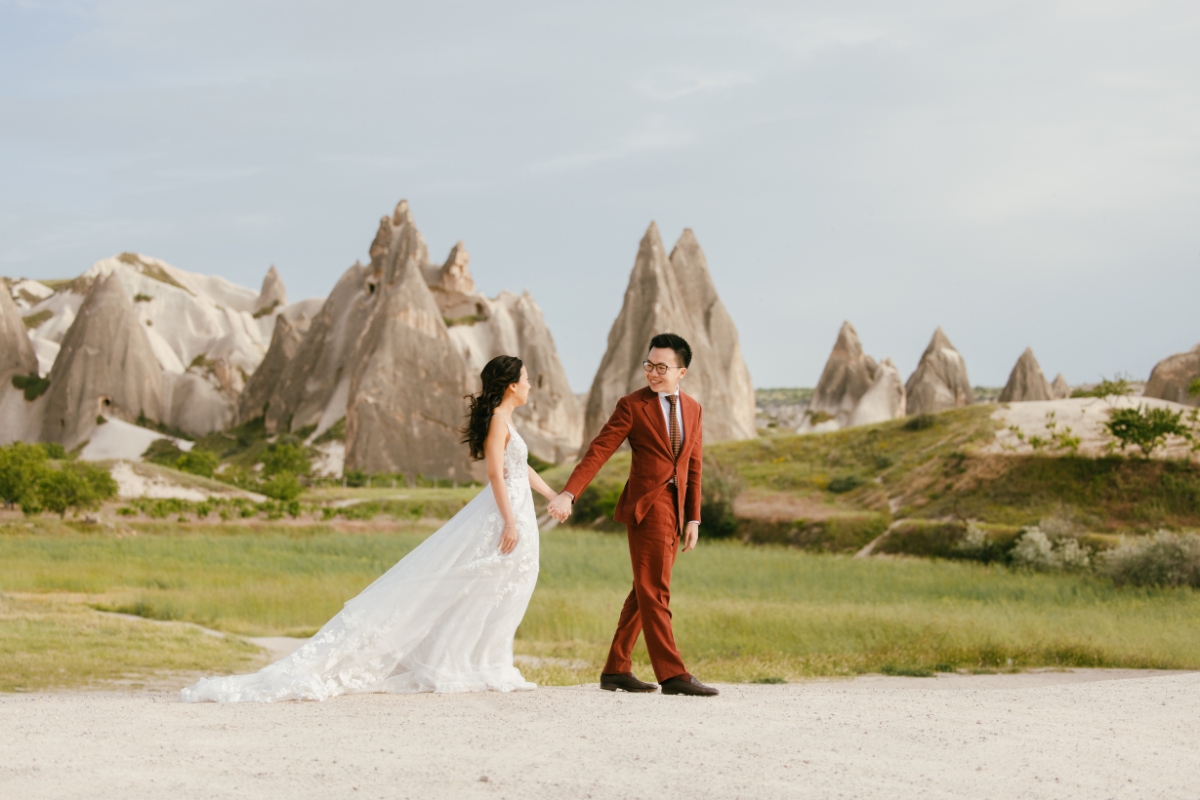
(441, 620)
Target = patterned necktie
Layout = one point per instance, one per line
(676, 438)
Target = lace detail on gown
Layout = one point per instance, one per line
(441, 620)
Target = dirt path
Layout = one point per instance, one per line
(1053, 735)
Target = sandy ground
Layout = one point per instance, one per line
(1091, 734)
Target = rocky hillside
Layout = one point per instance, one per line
(134, 337)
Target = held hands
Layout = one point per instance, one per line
(690, 536)
(560, 507)
(508, 540)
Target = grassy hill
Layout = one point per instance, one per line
(838, 491)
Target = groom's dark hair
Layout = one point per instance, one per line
(670, 341)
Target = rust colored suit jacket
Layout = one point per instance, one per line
(639, 419)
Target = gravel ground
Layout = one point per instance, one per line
(1089, 734)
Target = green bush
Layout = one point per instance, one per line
(197, 462)
(21, 469)
(1117, 387)
(33, 386)
(538, 464)
(163, 452)
(355, 478)
(75, 486)
(920, 422)
(286, 456)
(282, 486)
(1160, 559)
(597, 504)
(721, 487)
(1146, 428)
(843, 533)
(844, 483)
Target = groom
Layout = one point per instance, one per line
(665, 432)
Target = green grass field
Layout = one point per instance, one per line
(742, 613)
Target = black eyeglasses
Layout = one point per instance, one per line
(661, 369)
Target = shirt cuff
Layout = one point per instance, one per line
(693, 522)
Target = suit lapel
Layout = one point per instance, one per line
(656, 419)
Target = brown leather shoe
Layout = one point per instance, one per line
(686, 684)
(626, 682)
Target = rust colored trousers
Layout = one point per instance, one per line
(647, 610)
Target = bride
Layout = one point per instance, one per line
(443, 618)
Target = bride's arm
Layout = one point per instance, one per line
(540, 486)
(493, 451)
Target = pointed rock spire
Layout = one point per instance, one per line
(676, 294)
(16, 351)
(884, 400)
(106, 366)
(940, 380)
(1171, 378)
(1026, 381)
(395, 423)
(847, 376)
(273, 294)
(1060, 389)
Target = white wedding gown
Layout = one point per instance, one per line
(440, 620)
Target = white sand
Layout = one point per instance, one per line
(886, 738)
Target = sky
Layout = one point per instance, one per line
(1023, 174)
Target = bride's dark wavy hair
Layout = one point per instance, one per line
(498, 374)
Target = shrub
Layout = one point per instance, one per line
(1194, 388)
(163, 452)
(1035, 550)
(597, 503)
(844, 483)
(282, 486)
(1160, 559)
(286, 456)
(1145, 428)
(33, 386)
(21, 468)
(1105, 388)
(355, 477)
(538, 464)
(720, 488)
(53, 450)
(197, 462)
(920, 422)
(75, 486)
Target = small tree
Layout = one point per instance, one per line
(75, 486)
(198, 462)
(286, 456)
(1145, 428)
(21, 470)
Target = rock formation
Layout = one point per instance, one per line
(394, 349)
(290, 326)
(273, 294)
(482, 328)
(406, 391)
(16, 351)
(1026, 381)
(207, 334)
(847, 376)
(106, 367)
(1060, 389)
(1171, 378)
(940, 380)
(675, 295)
(884, 400)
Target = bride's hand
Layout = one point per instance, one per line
(508, 540)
